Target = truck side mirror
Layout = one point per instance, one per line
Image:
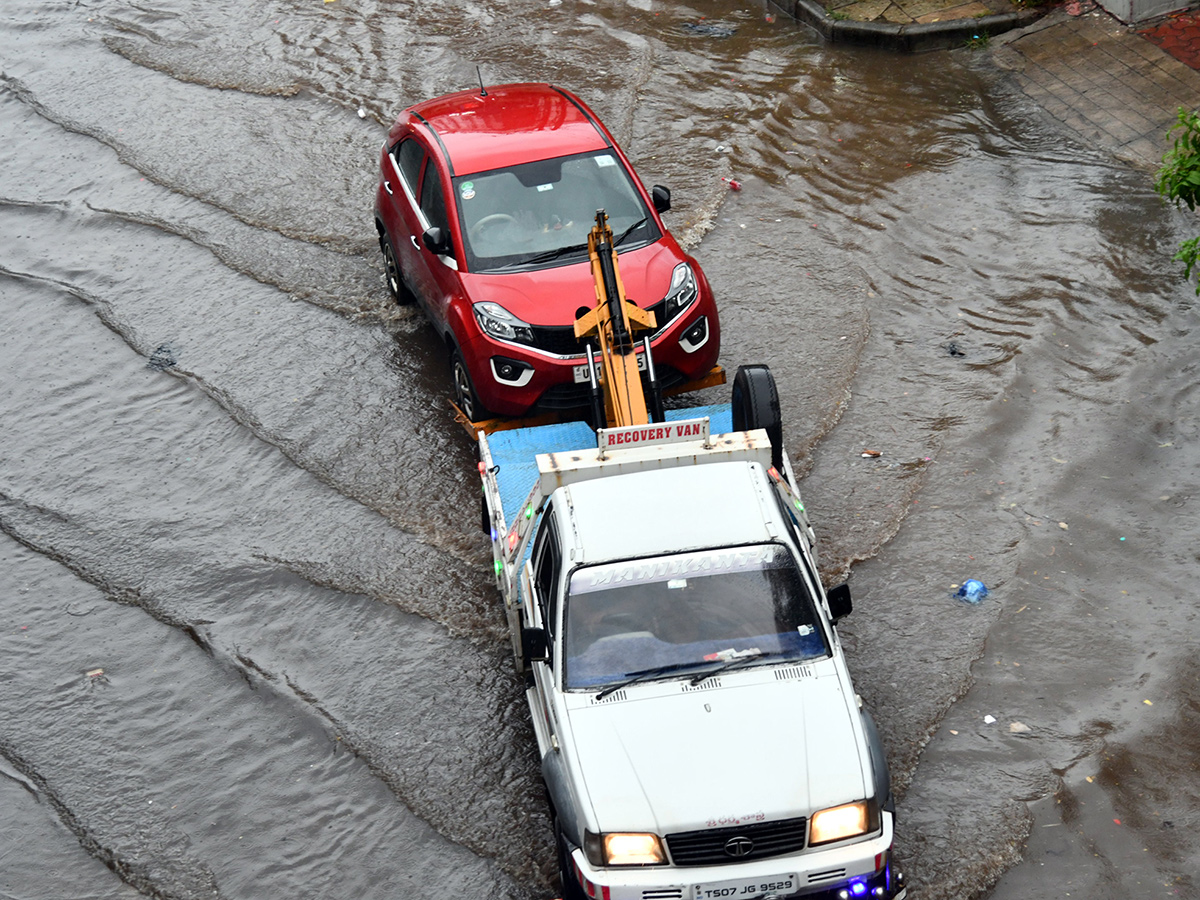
(437, 240)
(534, 645)
(662, 198)
(839, 601)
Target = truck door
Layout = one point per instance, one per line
(547, 575)
(547, 563)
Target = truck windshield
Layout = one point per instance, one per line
(707, 607)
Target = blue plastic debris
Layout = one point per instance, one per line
(972, 591)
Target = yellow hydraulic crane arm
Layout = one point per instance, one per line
(613, 321)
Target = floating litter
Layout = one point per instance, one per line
(972, 591)
(163, 357)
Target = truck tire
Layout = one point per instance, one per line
(571, 889)
(755, 404)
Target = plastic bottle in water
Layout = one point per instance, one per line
(972, 591)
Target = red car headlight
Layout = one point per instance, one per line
(682, 293)
(498, 322)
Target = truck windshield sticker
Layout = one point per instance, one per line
(674, 569)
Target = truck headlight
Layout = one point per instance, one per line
(682, 294)
(621, 848)
(498, 322)
(840, 822)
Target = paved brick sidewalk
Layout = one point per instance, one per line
(909, 12)
(1102, 79)
(1179, 35)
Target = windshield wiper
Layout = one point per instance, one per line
(570, 248)
(546, 256)
(734, 662)
(643, 674)
(628, 231)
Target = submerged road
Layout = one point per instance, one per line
(248, 642)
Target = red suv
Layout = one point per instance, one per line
(484, 205)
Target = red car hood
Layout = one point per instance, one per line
(553, 296)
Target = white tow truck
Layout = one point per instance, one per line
(699, 733)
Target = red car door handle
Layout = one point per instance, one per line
(387, 186)
(413, 238)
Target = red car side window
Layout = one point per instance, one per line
(433, 201)
(409, 156)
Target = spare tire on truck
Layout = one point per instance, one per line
(755, 404)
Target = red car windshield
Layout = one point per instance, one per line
(539, 214)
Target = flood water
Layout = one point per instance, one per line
(249, 647)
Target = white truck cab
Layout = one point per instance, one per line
(699, 733)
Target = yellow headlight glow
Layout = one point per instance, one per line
(839, 823)
(633, 850)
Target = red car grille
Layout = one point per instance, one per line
(568, 395)
(558, 340)
(561, 339)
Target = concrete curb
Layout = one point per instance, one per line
(914, 38)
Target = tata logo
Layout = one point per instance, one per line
(739, 847)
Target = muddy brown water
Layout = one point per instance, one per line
(248, 645)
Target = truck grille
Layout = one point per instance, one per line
(708, 847)
(829, 875)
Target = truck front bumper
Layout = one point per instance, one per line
(859, 871)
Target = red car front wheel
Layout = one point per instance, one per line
(464, 389)
(391, 270)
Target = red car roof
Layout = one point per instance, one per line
(510, 125)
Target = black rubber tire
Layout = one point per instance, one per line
(571, 889)
(755, 404)
(464, 389)
(391, 272)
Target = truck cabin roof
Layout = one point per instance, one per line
(670, 510)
